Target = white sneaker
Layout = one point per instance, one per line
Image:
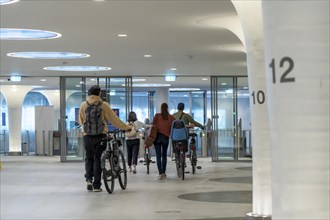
(160, 177)
(89, 185)
(130, 169)
(134, 169)
(164, 176)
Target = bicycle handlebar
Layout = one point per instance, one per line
(116, 131)
(192, 134)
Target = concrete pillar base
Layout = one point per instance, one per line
(251, 216)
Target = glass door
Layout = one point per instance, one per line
(243, 118)
(71, 96)
(74, 90)
(230, 117)
(195, 105)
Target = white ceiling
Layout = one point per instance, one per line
(207, 31)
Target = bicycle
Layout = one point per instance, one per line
(113, 163)
(149, 137)
(147, 157)
(192, 152)
(180, 157)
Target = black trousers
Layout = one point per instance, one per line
(132, 151)
(93, 150)
(161, 145)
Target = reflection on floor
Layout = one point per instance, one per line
(44, 188)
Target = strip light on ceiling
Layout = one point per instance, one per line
(77, 68)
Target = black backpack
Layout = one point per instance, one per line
(93, 124)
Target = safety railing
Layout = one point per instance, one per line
(33, 143)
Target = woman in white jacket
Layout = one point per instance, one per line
(133, 141)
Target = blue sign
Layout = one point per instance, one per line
(110, 126)
(3, 119)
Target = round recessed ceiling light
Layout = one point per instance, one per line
(77, 68)
(48, 55)
(7, 2)
(26, 34)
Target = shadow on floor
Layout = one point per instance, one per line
(244, 168)
(222, 196)
(241, 179)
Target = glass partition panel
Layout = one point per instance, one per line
(198, 102)
(243, 117)
(177, 97)
(72, 95)
(4, 146)
(226, 113)
(198, 112)
(140, 105)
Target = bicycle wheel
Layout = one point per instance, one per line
(193, 157)
(147, 158)
(177, 164)
(182, 163)
(108, 177)
(122, 172)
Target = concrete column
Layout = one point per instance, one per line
(297, 64)
(14, 96)
(161, 97)
(250, 15)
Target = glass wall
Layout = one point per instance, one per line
(141, 105)
(194, 101)
(195, 105)
(117, 92)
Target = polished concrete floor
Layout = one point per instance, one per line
(44, 188)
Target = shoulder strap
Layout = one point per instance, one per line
(181, 115)
(99, 103)
(156, 119)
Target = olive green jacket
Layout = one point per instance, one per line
(107, 114)
(186, 118)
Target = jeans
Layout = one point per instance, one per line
(94, 150)
(132, 151)
(161, 145)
